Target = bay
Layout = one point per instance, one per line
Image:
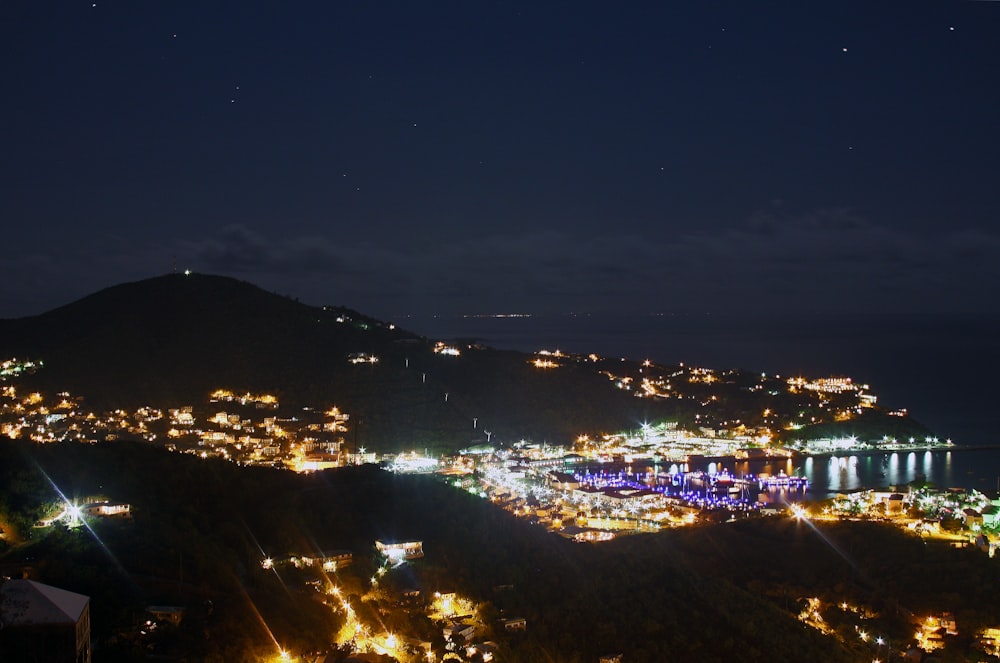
(828, 475)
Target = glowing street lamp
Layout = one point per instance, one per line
(74, 514)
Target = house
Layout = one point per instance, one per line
(514, 624)
(973, 519)
(934, 629)
(166, 613)
(989, 640)
(43, 623)
(991, 516)
(398, 552)
(458, 630)
(481, 652)
(562, 481)
(335, 560)
(107, 509)
(409, 595)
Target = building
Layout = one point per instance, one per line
(991, 516)
(458, 630)
(166, 613)
(562, 480)
(973, 519)
(989, 640)
(335, 560)
(107, 509)
(400, 551)
(43, 623)
(514, 624)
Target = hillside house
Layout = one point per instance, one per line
(458, 630)
(107, 509)
(514, 624)
(400, 551)
(166, 613)
(973, 519)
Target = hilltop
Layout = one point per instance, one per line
(170, 341)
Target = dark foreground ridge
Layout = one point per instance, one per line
(199, 530)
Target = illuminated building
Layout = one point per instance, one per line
(400, 551)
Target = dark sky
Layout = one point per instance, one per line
(474, 157)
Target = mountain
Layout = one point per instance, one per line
(172, 340)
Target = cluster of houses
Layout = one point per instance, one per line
(974, 515)
(244, 428)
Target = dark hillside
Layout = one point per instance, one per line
(726, 592)
(172, 340)
(201, 528)
(169, 338)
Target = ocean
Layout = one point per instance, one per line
(942, 369)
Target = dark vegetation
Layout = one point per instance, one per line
(872, 425)
(201, 527)
(170, 341)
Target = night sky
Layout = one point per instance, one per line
(482, 157)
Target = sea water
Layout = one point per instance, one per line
(942, 369)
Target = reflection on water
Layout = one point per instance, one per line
(978, 469)
(846, 473)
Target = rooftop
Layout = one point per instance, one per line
(27, 603)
